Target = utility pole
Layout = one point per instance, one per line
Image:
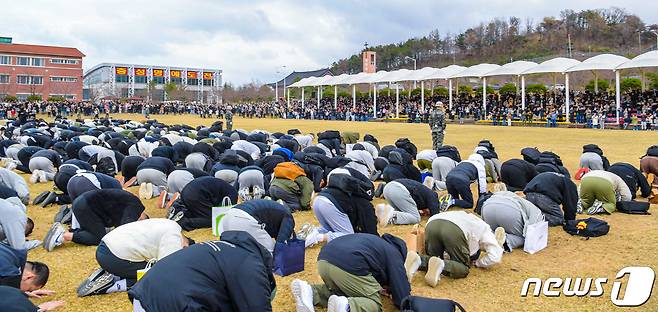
(569, 49)
(655, 33)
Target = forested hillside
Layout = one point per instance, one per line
(504, 39)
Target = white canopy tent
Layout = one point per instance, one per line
(478, 71)
(603, 62)
(514, 69)
(556, 65)
(520, 69)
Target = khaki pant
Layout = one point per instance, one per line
(444, 236)
(362, 292)
(593, 188)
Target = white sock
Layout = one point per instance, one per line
(119, 285)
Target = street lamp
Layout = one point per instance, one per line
(655, 33)
(413, 59)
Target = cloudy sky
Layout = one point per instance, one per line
(252, 40)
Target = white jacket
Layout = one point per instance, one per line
(478, 161)
(150, 239)
(478, 234)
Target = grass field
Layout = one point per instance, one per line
(632, 241)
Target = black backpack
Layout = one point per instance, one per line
(590, 227)
(406, 145)
(633, 207)
(422, 304)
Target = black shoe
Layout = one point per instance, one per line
(375, 175)
(51, 198)
(64, 215)
(37, 200)
(97, 283)
(380, 189)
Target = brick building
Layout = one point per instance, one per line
(46, 71)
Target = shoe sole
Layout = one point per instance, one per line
(171, 201)
(47, 241)
(334, 306)
(433, 275)
(409, 262)
(87, 289)
(501, 236)
(296, 290)
(49, 200)
(162, 199)
(40, 198)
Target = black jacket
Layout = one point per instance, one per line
(557, 187)
(633, 178)
(199, 196)
(276, 218)
(50, 155)
(516, 173)
(363, 254)
(164, 165)
(113, 207)
(349, 196)
(424, 197)
(233, 274)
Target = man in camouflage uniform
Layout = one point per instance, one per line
(437, 122)
(229, 118)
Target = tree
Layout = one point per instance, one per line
(508, 88)
(536, 88)
(170, 88)
(653, 78)
(441, 91)
(490, 90)
(56, 98)
(603, 85)
(465, 89)
(630, 84)
(33, 98)
(10, 99)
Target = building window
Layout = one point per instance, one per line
(4, 79)
(140, 79)
(37, 61)
(66, 96)
(22, 61)
(207, 82)
(122, 78)
(5, 59)
(159, 80)
(29, 80)
(177, 80)
(63, 61)
(63, 79)
(193, 82)
(23, 80)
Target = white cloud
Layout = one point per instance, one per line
(251, 40)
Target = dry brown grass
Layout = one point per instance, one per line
(632, 241)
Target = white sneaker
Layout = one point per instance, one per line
(429, 182)
(597, 207)
(303, 294)
(411, 264)
(434, 268)
(501, 236)
(384, 214)
(42, 176)
(313, 238)
(10, 165)
(34, 178)
(338, 304)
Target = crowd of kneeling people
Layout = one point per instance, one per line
(267, 177)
